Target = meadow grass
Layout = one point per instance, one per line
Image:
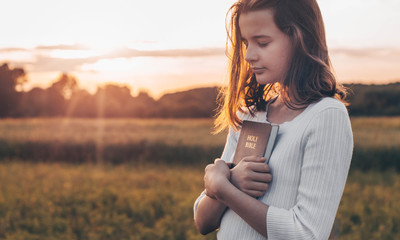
(150, 173)
(111, 131)
(178, 141)
(375, 132)
(66, 201)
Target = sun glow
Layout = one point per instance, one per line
(159, 44)
(74, 54)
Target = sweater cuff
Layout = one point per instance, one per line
(282, 225)
(196, 203)
(276, 223)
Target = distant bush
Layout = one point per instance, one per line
(139, 152)
(376, 159)
(64, 98)
(157, 152)
(374, 100)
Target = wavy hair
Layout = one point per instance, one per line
(309, 78)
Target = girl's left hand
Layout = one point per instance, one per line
(216, 176)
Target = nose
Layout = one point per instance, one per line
(251, 55)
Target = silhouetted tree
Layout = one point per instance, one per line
(9, 97)
(374, 100)
(113, 101)
(66, 85)
(32, 103)
(82, 104)
(197, 103)
(143, 105)
(56, 95)
(64, 98)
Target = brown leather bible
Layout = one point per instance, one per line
(255, 139)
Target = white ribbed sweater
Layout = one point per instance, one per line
(309, 166)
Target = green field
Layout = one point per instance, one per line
(376, 132)
(46, 194)
(176, 141)
(63, 201)
(111, 131)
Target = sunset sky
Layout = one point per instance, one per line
(163, 46)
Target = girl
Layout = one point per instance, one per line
(280, 73)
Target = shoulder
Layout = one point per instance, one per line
(328, 103)
(327, 113)
(325, 108)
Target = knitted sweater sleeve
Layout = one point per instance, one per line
(227, 156)
(327, 149)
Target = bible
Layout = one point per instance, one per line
(255, 139)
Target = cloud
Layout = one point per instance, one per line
(9, 50)
(379, 53)
(61, 47)
(129, 53)
(43, 62)
(49, 64)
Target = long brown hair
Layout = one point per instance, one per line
(309, 77)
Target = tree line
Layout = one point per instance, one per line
(64, 98)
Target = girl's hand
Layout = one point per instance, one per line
(216, 176)
(252, 176)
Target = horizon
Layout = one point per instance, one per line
(171, 49)
(135, 92)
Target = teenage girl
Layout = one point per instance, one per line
(280, 73)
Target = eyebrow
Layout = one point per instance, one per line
(261, 36)
(257, 37)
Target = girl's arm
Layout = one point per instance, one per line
(208, 211)
(327, 150)
(251, 176)
(248, 208)
(208, 214)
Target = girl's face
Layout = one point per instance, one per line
(268, 50)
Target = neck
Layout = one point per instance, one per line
(291, 103)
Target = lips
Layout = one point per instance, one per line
(258, 70)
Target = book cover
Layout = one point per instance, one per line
(255, 139)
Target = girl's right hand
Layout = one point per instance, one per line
(252, 176)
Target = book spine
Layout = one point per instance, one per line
(271, 142)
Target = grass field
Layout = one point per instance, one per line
(64, 201)
(52, 188)
(177, 141)
(376, 132)
(111, 131)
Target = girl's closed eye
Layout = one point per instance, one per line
(263, 44)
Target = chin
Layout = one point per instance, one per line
(264, 81)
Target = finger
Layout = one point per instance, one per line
(208, 167)
(259, 167)
(218, 159)
(254, 159)
(219, 162)
(257, 186)
(261, 177)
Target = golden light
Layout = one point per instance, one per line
(83, 38)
